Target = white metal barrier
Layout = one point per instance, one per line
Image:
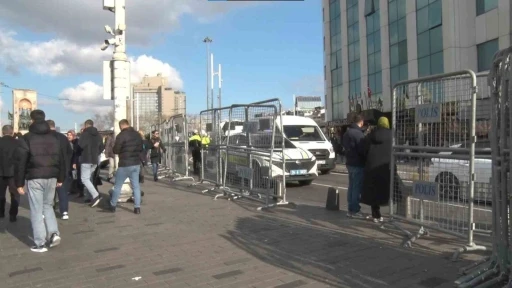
(496, 270)
(436, 116)
(246, 156)
(178, 148)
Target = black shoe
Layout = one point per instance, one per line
(111, 208)
(136, 210)
(141, 193)
(13, 218)
(87, 201)
(95, 201)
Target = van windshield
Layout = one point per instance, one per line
(303, 133)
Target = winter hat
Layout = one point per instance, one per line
(383, 123)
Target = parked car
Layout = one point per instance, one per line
(453, 174)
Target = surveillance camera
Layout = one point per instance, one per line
(109, 30)
(110, 41)
(104, 46)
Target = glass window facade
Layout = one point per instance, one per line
(485, 53)
(483, 6)
(430, 37)
(373, 48)
(398, 40)
(354, 68)
(336, 56)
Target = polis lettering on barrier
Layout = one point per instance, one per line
(427, 190)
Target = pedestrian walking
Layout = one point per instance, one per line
(128, 145)
(77, 186)
(375, 192)
(109, 154)
(156, 152)
(91, 146)
(41, 161)
(194, 143)
(8, 146)
(353, 142)
(62, 192)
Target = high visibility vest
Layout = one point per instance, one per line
(205, 141)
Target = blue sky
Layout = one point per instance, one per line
(266, 51)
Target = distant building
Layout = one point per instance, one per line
(156, 99)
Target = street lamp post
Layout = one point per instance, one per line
(116, 74)
(207, 40)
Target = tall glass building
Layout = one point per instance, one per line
(371, 44)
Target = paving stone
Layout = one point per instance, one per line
(184, 239)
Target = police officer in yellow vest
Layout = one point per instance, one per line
(205, 139)
(194, 144)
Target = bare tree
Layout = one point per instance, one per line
(104, 121)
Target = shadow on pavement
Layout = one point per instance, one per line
(337, 259)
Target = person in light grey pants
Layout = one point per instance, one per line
(40, 196)
(87, 178)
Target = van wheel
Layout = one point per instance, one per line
(325, 172)
(305, 182)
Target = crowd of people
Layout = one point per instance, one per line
(46, 165)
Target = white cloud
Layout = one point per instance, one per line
(82, 21)
(147, 65)
(55, 57)
(86, 97)
(60, 57)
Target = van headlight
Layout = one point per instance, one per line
(331, 150)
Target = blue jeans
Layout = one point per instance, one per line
(62, 193)
(155, 169)
(40, 197)
(355, 184)
(131, 172)
(86, 175)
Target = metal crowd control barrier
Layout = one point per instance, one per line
(497, 269)
(163, 167)
(245, 157)
(178, 148)
(436, 116)
(208, 165)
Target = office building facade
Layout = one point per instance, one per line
(369, 45)
(156, 99)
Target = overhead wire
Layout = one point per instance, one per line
(2, 84)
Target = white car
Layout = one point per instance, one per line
(300, 164)
(453, 174)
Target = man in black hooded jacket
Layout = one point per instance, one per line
(91, 145)
(41, 161)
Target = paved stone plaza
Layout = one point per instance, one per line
(185, 239)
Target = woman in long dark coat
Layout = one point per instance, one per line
(375, 192)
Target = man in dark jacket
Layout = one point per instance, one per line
(8, 145)
(62, 192)
(41, 161)
(128, 146)
(156, 152)
(353, 142)
(91, 145)
(77, 185)
(194, 144)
